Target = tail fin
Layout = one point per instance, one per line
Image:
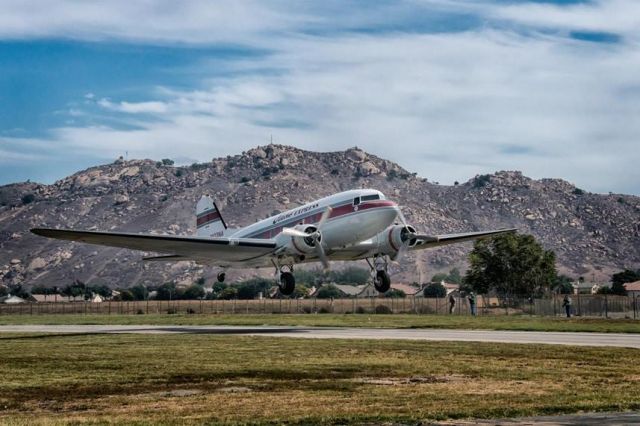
(209, 221)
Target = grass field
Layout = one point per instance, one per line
(514, 322)
(192, 378)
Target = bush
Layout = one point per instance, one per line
(383, 309)
(198, 166)
(139, 312)
(167, 162)
(578, 191)
(245, 179)
(435, 290)
(191, 311)
(28, 198)
(179, 172)
(172, 311)
(328, 292)
(481, 180)
(361, 310)
(325, 310)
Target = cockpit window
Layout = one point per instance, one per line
(356, 201)
(370, 197)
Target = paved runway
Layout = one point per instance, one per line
(535, 337)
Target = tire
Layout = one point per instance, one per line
(287, 283)
(221, 277)
(382, 283)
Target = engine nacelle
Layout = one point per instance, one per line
(300, 246)
(394, 237)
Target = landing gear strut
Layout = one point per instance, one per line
(381, 279)
(221, 277)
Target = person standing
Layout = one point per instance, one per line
(452, 304)
(472, 303)
(566, 304)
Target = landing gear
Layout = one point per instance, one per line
(382, 282)
(381, 279)
(221, 277)
(287, 283)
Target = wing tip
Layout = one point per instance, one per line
(43, 232)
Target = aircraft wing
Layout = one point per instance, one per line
(427, 241)
(217, 250)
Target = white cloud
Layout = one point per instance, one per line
(447, 105)
(614, 16)
(148, 107)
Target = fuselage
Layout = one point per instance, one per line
(356, 215)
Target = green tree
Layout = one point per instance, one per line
(139, 292)
(125, 295)
(439, 277)
(228, 293)
(510, 264)
(328, 291)
(562, 284)
(619, 279)
(167, 291)
(300, 291)
(193, 292)
(454, 276)
(250, 289)
(102, 290)
(42, 290)
(167, 162)
(350, 275)
(434, 290)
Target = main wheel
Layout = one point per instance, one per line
(221, 277)
(382, 283)
(287, 283)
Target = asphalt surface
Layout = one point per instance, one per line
(587, 419)
(533, 337)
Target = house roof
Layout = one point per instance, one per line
(350, 290)
(12, 299)
(409, 290)
(634, 286)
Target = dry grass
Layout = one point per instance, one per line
(196, 378)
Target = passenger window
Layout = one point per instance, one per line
(356, 201)
(371, 197)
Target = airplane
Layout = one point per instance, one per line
(348, 226)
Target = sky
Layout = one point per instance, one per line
(446, 88)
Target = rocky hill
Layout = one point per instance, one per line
(592, 234)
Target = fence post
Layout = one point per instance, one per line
(579, 305)
(606, 307)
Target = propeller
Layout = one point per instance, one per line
(314, 236)
(408, 235)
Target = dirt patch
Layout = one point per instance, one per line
(234, 389)
(414, 380)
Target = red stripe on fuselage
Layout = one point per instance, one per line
(337, 212)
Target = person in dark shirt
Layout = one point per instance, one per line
(566, 304)
(472, 303)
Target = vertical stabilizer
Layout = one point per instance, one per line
(209, 221)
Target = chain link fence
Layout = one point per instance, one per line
(582, 305)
